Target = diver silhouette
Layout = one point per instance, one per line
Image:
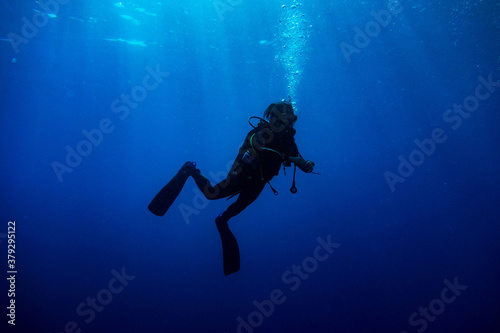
(267, 146)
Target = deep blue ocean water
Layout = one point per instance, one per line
(397, 104)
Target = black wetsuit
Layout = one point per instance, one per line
(269, 150)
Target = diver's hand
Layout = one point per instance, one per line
(306, 166)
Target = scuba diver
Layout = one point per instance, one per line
(267, 146)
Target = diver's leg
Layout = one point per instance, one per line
(246, 197)
(225, 188)
(230, 249)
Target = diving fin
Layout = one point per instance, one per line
(167, 195)
(230, 249)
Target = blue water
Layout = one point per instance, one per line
(103, 101)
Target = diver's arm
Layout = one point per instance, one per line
(306, 166)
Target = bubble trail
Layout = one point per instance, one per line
(291, 43)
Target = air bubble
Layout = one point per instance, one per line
(292, 36)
